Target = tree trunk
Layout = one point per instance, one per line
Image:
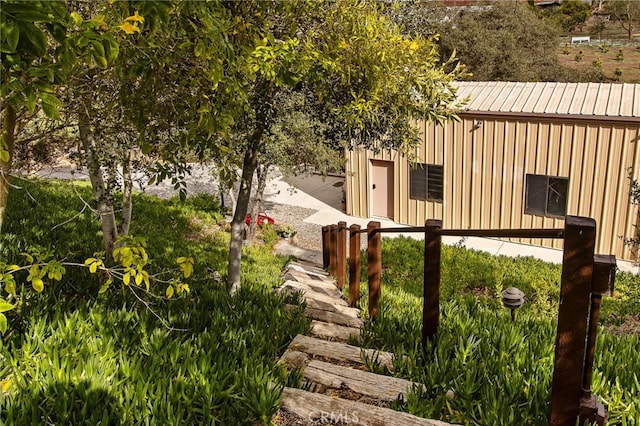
(249, 165)
(127, 191)
(257, 201)
(101, 194)
(8, 127)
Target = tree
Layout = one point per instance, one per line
(626, 13)
(574, 14)
(296, 142)
(34, 61)
(506, 41)
(367, 79)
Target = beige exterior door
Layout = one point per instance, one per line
(382, 188)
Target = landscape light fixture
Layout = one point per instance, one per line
(512, 298)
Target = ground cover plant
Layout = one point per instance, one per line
(74, 356)
(484, 368)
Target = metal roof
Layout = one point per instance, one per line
(580, 99)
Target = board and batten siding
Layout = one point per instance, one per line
(485, 172)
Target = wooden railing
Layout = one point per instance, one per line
(586, 277)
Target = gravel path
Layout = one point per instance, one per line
(309, 235)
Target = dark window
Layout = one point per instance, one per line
(546, 195)
(425, 182)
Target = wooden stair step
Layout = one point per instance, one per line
(365, 383)
(314, 303)
(329, 410)
(329, 317)
(306, 267)
(291, 274)
(321, 288)
(333, 331)
(311, 347)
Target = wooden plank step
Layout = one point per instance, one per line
(330, 317)
(323, 288)
(291, 274)
(376, 386)
(316, 407)
(313, 302)
(306, 267)
(333, 331)
(313, 347)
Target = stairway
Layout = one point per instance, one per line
(339, 387)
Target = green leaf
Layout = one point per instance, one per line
(50, 105)
(38, 285)
(36, 37)
(105, 286)
(68, 59)
(5, 306)
(98, 48)
(187, 269)
(4, 155)
(50, 99)
(32, 101)
(111, 48)
(9, 284)
(101, 61)
(10, 35)
(3, 323)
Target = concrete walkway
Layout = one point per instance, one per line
(325, 195)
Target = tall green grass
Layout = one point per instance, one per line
(72, 356)
(499, 371)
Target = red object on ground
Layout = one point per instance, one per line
(262, 219)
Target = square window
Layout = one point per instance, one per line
(426, 182)
(546, 195)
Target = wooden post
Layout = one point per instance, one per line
(341, 276)
(575, 298)
(604, 271)
(354, 265)
(325, 246)
(333, 250)
(431, 300)
(374, 266)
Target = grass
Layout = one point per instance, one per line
(606, 59)
(72, 356)
(497, 371)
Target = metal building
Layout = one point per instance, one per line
(523, 156)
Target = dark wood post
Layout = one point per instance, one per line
(325, 246)
(431, 300)
(604, 271)
(374, 266)
(354, 265)
(575, 299)
(341, 275)
(333, 250)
